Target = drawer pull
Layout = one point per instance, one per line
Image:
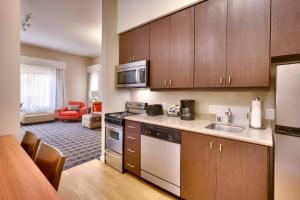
(131, 127)
(132, 151)
(129, 137)
(220, 147)
(130, 165)
(211, 144)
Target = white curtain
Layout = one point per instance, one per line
(60, 98)
(38, 88)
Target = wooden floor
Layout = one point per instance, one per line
(96, 181)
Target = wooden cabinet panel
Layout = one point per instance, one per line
(248, 43)
(141, 43)
(210, 44)
(182, 49)
(242, 171)
(132, 148)
(159, 53)
(134, 45)
(198, 166)
(285, 29)
(126, 47)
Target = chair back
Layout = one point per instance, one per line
(51, 162)
(30, 144)
(81, 104)
(97, 106)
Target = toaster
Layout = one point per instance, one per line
(154, 110)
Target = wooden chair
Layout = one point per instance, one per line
(51, 162)
(30, 144)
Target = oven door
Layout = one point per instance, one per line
(114, 138)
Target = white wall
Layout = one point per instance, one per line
(113, 99)
(10, 67)
(132, 13)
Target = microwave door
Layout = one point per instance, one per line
(127, 77)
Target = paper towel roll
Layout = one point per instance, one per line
(256, 114)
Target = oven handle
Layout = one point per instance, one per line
(113, 127)
(112, 155)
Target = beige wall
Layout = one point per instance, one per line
(75, 72)
(132, 13)
(206, 98)
(113, 99)
(10, 67)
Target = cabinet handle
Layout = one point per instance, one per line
(221, 80)
(165, 82)
(220, 147)
(131, 127)
(130, 165)
(129, 58)
(229, 80)
(130, 150)
(132, 138)
(132, 58)
(170, 81)
(211, 144)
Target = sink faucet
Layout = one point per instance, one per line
(229, 115)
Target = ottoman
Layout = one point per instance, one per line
(91, 120)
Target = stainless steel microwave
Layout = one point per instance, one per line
(133, 74)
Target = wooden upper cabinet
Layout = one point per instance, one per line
(210, 44)
(159, 53)
(134, 45)
(198, 166)
(141, 43)
(126, 47)
(248, 43)
(285, 28)
(182, 49)
(242, 171)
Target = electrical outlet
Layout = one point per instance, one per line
(270, 113)
(165, 106)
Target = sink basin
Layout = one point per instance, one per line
(224, 127)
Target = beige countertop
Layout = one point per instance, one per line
(255, 136)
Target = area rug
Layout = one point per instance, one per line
(77, 143)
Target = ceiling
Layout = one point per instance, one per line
(71, 26)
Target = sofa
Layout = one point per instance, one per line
(73, 111)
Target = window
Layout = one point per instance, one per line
(38, 88)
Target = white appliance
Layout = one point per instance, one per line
(160, 157)
(287, 140)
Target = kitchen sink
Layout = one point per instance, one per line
(225, 127)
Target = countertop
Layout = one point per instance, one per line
(255, 136)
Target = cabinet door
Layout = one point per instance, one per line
(159, 53)
(242, 171)
(248, 43)
(141, 43)
(198, 166)
(126, 47)
(210, 44)
(285, 28)
(182, 49)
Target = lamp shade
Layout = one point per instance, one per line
(93, 94)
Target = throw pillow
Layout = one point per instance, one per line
(73, 107)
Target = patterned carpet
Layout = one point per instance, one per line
(77, 143)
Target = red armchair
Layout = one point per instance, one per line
(65, 114)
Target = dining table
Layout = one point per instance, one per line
(20, 178)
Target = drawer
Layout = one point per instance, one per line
(132, 138)
(134, 127)
(133, 165)
(132, 150)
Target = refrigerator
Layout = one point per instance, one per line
(287, 133)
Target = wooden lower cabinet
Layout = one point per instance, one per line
(223, 169)
(132, 147)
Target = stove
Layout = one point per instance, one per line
(114, 131)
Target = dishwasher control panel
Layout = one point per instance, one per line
(162, 133)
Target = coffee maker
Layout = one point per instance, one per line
(187, 109)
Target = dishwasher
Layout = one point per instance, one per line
(160, 157)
